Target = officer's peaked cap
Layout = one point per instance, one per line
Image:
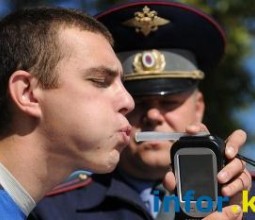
(165, 47)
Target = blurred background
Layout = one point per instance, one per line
(229, 94)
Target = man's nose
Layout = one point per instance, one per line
(128, 102)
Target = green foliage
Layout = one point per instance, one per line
(230, 87)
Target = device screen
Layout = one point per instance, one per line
(196, 173)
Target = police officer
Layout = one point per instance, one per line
(166, 49)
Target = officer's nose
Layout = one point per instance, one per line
(153, 117)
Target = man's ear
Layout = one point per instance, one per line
(200, 106)
(23, 90)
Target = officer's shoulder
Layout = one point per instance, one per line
(76, 180)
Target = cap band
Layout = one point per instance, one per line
(152, 64)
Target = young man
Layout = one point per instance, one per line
(62, 103)
(164, 47)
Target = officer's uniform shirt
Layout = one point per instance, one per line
(15, 202)
(144, 189)
(104, 196)
(112, 196)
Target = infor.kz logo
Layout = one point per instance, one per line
(247, 203)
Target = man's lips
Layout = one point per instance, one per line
(125, 133)
(126, 130)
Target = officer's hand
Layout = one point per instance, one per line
(233, 212)
(234, 176)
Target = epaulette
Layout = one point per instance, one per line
(76, 180)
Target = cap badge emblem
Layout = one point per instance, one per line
(146, 21)
(149, 61)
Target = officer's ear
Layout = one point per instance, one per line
(200, 106)
(23, 89)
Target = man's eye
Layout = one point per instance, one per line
(100, 82)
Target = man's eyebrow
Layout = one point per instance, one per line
(102, 71)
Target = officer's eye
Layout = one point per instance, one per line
(169, 103)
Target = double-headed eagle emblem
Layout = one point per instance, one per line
(146, 21)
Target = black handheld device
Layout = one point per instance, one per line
(196, 160)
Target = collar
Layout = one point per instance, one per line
(138, 184)
(16, 190)
(107, 186)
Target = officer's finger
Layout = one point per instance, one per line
(234, 142)
(169, 181)
(233, 212)
(242, 182)
(195, 128)
(233, 169)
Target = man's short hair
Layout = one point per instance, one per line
(29, 42)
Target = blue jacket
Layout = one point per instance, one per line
(8, 208)
(105, 197)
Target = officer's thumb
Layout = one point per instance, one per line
(233, 212)
(169, 181)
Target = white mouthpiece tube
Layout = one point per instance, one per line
(162, 136)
